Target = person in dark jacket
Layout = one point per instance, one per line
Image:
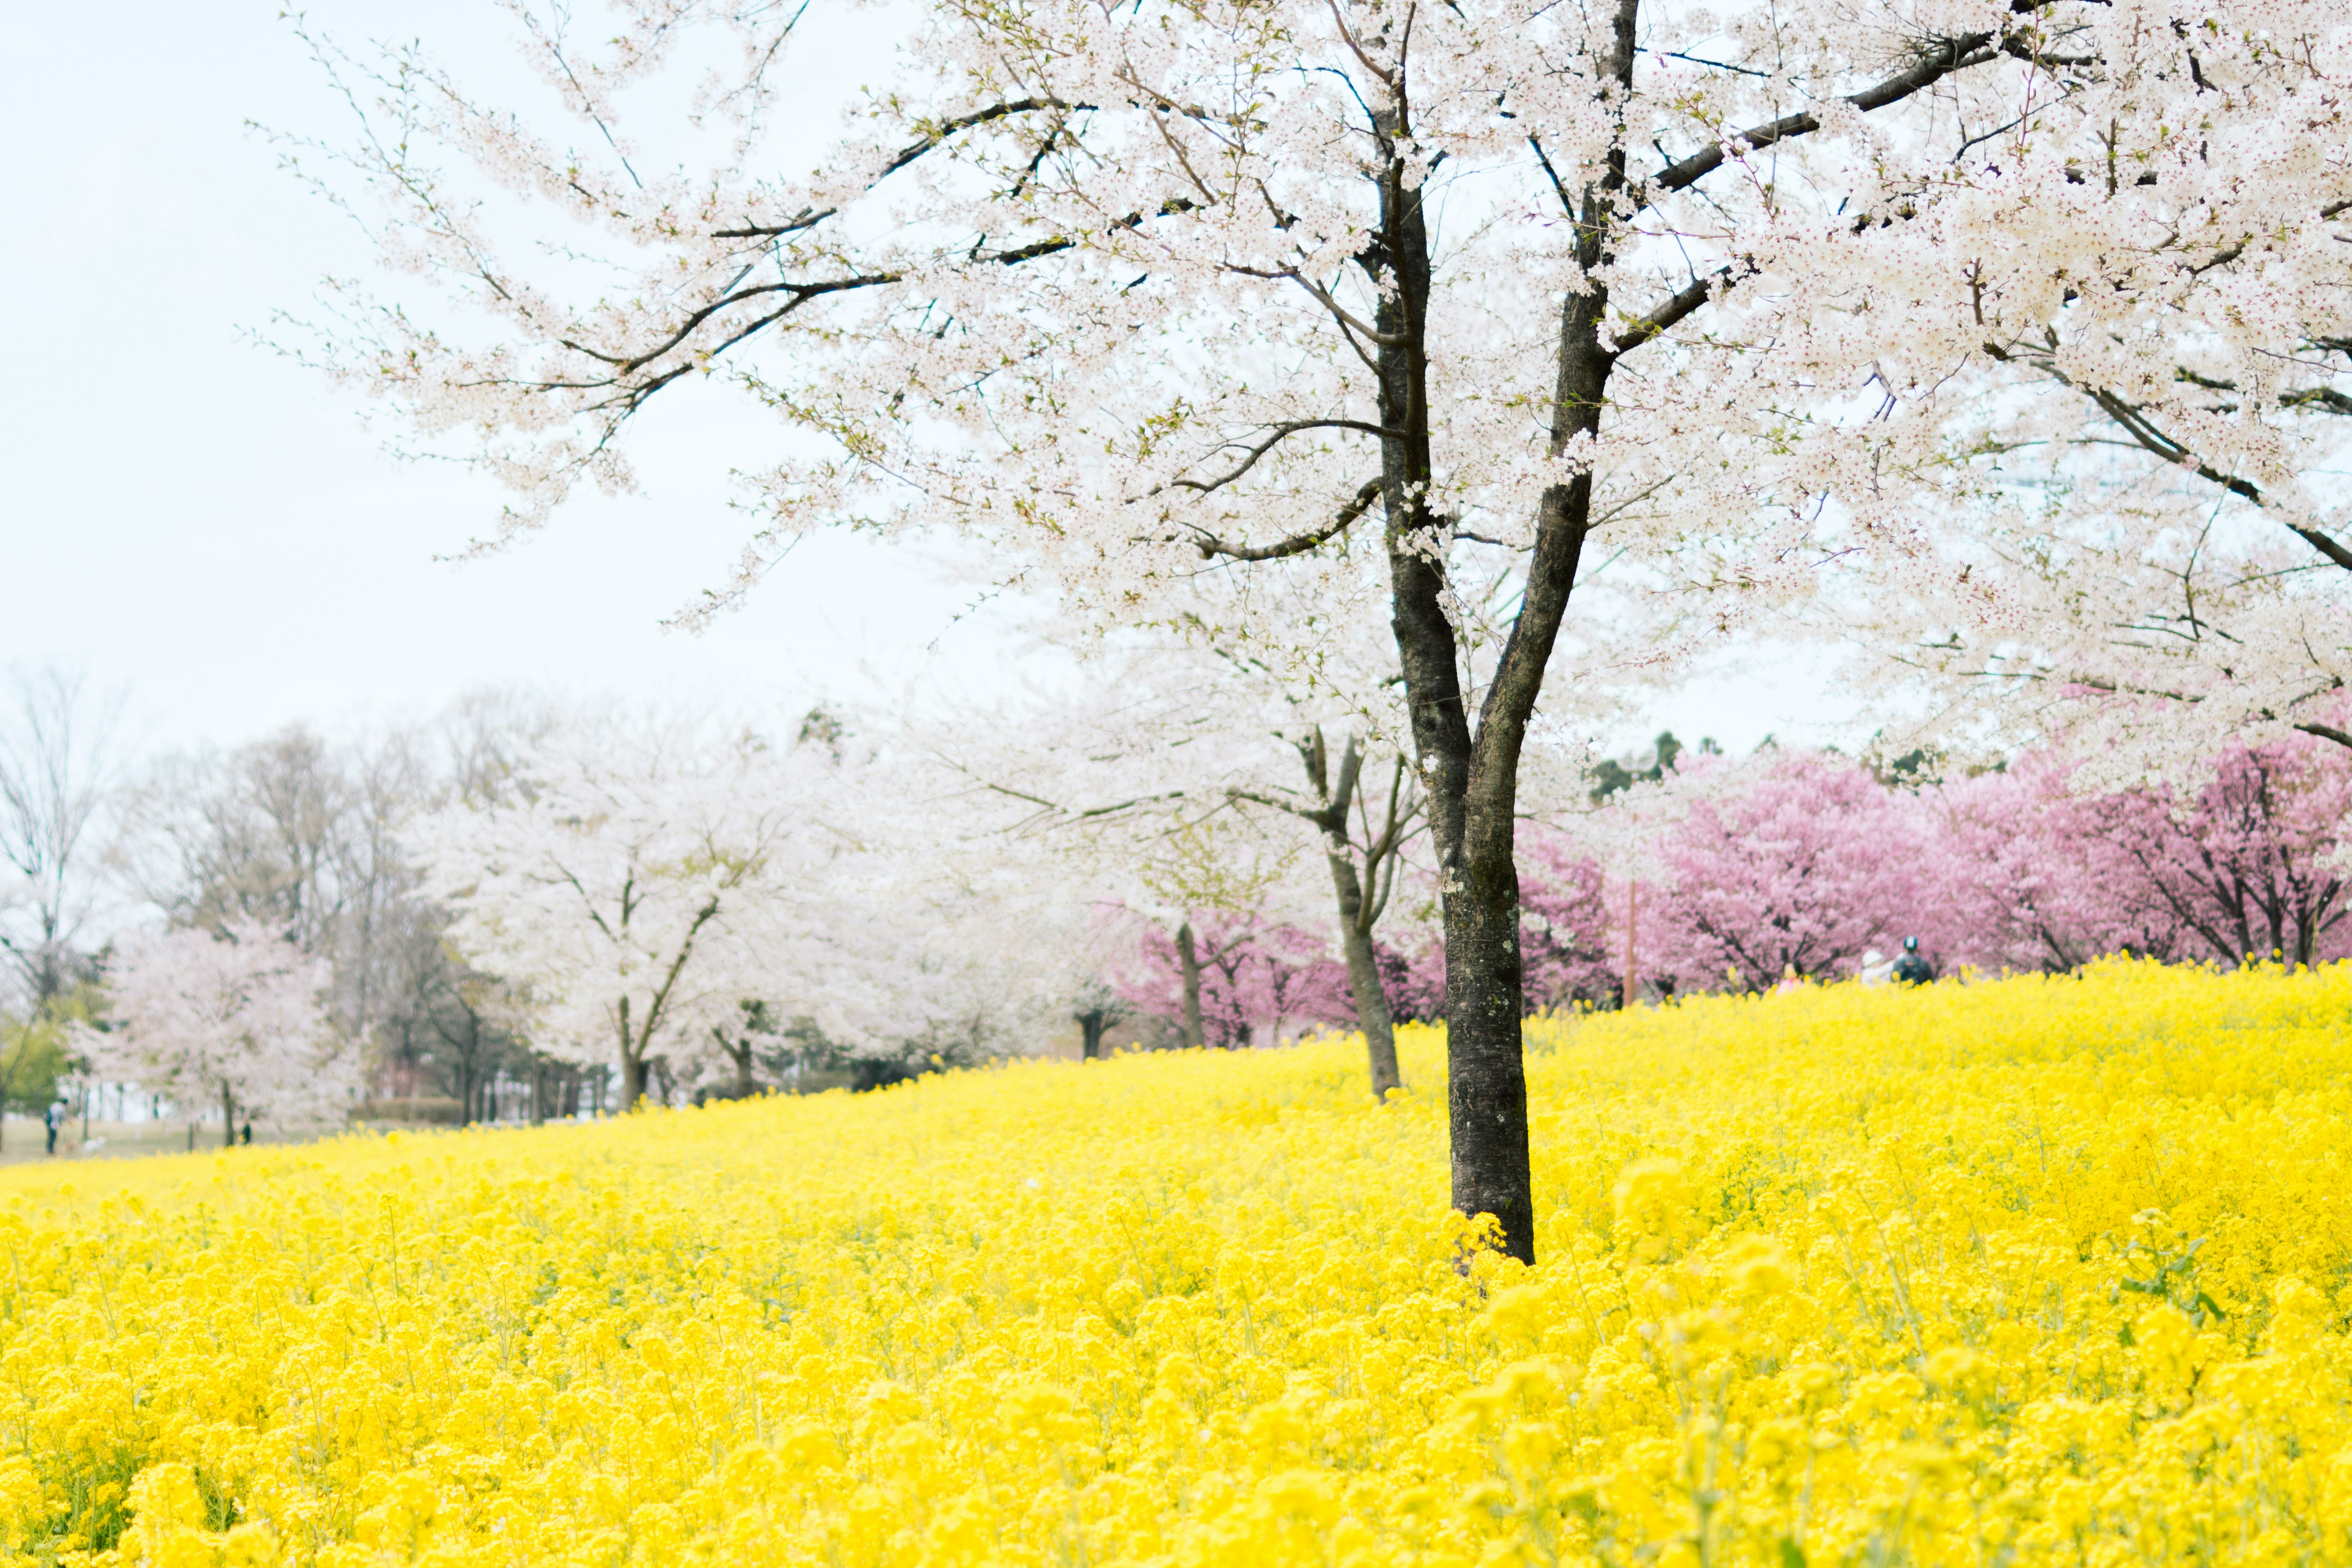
(1911, 969)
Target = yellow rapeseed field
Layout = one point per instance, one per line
(2040, 1271)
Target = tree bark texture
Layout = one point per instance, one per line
(1472, 780)
(1364, 979)
(1632, 973)
(1360, 907)
(1188, 957)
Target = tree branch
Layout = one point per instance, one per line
(1298, 544)
(1934, 63)
(2328, 732)
(1282, 432)
(809, 219)
(1687, 299)
(2138, 426)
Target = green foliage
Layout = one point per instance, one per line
(1612, 775)
(35, 1052)
(32, 1060)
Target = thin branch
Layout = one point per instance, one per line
(1687, 299)
(913, 150)
(1298, 544)
(1238, 793)
(1282, 432)
(1322, 297)
(1567, 203)
(1957, 54)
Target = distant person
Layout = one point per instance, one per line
(1790, 981)
(1875, 970)
(1912, 969)
(54, 1119)
(247, 1136)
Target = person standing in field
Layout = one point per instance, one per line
(1912, 968)
(52, 1119)
(1790, 981)
(1875, 968)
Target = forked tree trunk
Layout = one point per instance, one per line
(1188, 958)
(1091, 1025)
(1472, 780)
(1335, 796)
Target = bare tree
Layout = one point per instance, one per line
(258, 834)
(59, 758)
(302, 836)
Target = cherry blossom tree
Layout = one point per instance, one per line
(1804, 858)
(1250, 976)
(632, 881)
(2027, 872)
(2251, 866)
(1364, 825)
(238, 1013)
(1805, 866)
(1366, 295)
(1137, 766)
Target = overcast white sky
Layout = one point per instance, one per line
(187, 515)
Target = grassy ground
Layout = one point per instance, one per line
(23, 1142)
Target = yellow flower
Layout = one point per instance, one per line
(2038, 1271)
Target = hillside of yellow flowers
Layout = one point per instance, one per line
(2040, 1270)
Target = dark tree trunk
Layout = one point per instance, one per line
(1486, 1089)
(1364, 979)
(1188, 957)
(1359, 905)
(228, 1116)
(1473, 782)
(1091, 1025)
(745, 1087)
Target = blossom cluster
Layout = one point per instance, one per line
(2050, 1270)
(1807, 860)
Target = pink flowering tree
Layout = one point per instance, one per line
(1564, 932)
(1251, 976)
(235, 1016)
(2248, 866)
(1807, 865)
(2028, 874)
